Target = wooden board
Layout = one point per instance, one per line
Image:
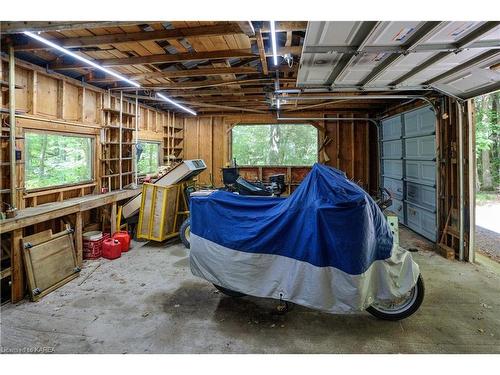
(50, 261)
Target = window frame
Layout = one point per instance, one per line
(275, 123)
(93, 140)
(158, 156)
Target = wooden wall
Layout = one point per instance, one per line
(209, 138)
(53, 102)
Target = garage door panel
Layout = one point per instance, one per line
(393, 168)
(395, 187)
(421, 221)
(423, 172)
(421, 195)
(391, 128)
(398, 208)
(392, 149)
(422, 148)
(419, 122)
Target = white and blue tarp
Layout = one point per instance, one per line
(327, 246)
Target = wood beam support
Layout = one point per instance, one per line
(262, 53)
(143, 36)
(183, 73)
(17, 276)
(162, 58)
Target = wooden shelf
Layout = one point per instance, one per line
(6, 84)
(5, 163)
(173, 148)
(117, 127)
(117, 143)
(6, 111)
(8, 136)
(116, 159)
(117, 112)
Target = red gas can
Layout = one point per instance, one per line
(111, 249)
(124, 239)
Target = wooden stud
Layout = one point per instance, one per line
(18, 283)
(79, 238)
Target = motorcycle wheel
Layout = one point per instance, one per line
(185, 232)
(402, 307)
(229, 292)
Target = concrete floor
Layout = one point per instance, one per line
(148, 302)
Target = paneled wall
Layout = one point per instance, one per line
(349, 148)
(53, 102)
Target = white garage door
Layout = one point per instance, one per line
(408, 168)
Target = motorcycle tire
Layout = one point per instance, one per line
(229, 292)
(185, 232)
(415, 300)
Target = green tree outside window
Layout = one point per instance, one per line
(57, 159)
(148, 154)
(276, 144)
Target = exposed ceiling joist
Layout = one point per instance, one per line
(162, 58)
(202, 72)
(286, 26)
(462, 43)
(210, 83)
(262, 53)
(143, 36)
(11, 27)
(247, 28)
(421, 34)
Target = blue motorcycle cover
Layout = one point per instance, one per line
(327, 246)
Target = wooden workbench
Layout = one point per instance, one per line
(49, 211)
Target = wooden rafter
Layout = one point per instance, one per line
(184, 73)
(162, 58)
(262, 53)
(213, 83)
(97, 40)
(11, 27)
(286, 26)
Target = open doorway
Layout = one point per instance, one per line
(487, 120)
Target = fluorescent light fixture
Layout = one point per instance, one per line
(273, 39)
(253, 29)
(82, 59)
(288, 91)
(176, 104)
(277, 103)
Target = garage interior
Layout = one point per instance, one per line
(392, 106)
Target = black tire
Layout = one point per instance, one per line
(407, 311)
(185, 232)
(229, 292)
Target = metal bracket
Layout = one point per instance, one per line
(28, 245)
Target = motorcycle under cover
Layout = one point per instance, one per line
(327, 246)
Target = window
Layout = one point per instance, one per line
(277, 144)
(148, 155)
(54, 159)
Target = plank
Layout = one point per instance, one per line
(143, 36)
(79, 238)
(262, 53)
(161, 59)
(17, 277)
(199, 72)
